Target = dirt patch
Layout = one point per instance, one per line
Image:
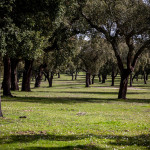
(27, 110)
(81, 113)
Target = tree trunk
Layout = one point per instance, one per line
(113, 77)
(131, 80)
(99, 77)
(103, 78)
(7, 76)
(87, 79)
(46, 74)
(51, 80)
(133, 77)
(123, 84)
(58, 75)
(93, 77)
(14, 77)
(90, 79)
(27, 75)
(72, 76)
(38, 78)
(76, 75)
(145, 82)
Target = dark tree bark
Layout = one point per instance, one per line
(38, 78)
(27, 75)
(7, 76)
(51, 80)
(87, 79)
(131, 80)
(76, 75)
(113, 77)
(123, 84)
(99, 77)
(145, 81)
(135, 76)
(46, 74)
(58, 75)
(14, 77)
(103, 78)
(90, 79)
(72, 76)
(93, 77)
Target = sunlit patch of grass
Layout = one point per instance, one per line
(70, 116)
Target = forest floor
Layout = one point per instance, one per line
(69, 116)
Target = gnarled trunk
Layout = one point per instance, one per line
(123, 84)
(27, 75)
(14, 77)
(7, 76)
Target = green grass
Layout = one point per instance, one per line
(72, 117)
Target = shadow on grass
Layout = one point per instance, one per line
(142, 85)
(99, 93)
(62, 85)
(72, 100)
(78, 147)
(115, 140)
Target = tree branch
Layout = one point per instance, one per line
(139, 52)
(115, 48)
(130, 52)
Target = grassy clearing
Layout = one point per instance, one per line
(72, 117)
